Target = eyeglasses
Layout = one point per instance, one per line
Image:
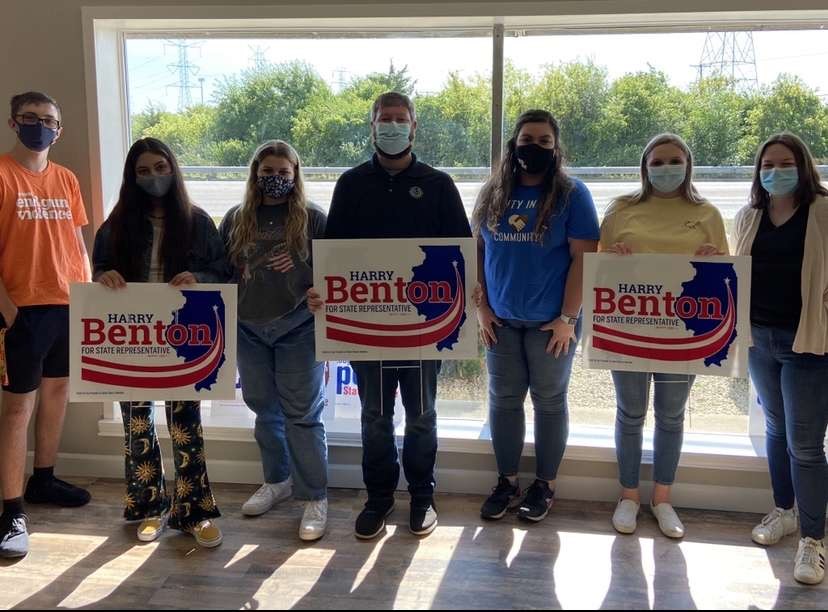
(32, 119)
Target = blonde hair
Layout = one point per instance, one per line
(296, 225)
(687, 189)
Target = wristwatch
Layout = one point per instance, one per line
(568, 320)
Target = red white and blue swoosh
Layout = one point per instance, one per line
(157, 377)
(702, 346)
(410, 335)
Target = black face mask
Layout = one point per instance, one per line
(534, 159)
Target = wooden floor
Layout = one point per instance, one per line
(90, 558)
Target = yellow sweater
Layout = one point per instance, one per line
(663, 225)
(812, 334)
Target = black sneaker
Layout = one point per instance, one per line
(537, 501)
(371, 521)
(505, 496)
(423, 519)
(14, 537)
(56, 492)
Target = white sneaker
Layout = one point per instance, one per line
(668, 521)
(267, 496)
(810, 561)
(775, 526)
(625, 518)
(314, 520)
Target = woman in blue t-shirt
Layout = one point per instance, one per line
(533, 225)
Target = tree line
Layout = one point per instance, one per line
(603, 122)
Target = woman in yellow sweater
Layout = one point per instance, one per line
(784, 229)
(666, 215)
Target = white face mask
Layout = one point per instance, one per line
(392, 137)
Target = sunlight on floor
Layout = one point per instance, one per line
(101, 583)
(37, 571)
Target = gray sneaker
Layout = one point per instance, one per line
(14, 538)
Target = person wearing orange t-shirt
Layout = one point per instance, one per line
(41, 253)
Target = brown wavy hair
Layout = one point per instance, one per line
(245, 225)
(809, 186)
(494, 196)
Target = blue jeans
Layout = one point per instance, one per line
(793, 392)
(284, 385)
(519, 363)
(377, 383)
(632, 391)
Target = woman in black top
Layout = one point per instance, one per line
(155, 234)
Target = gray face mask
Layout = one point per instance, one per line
(155, 185)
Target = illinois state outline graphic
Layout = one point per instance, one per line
(439, 266)
(711, 281)
(199, 309)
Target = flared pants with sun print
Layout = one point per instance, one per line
(146, 494)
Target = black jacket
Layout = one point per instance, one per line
(205, 258)
(419, 202)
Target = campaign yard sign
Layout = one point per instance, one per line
(396, 299)
(151, 341)
(667, 313)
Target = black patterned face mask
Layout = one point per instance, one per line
(275, 186)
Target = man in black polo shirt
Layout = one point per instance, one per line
(396, 196)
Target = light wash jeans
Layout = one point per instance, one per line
(284, 385)
(632, 391)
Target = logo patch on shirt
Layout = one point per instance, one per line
(691, 225)
(518, 222)
(416, 192)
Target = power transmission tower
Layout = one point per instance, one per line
(731, 55)
(339, 78)
(185, 70)
(258, 57)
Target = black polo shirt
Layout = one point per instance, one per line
(419, 202)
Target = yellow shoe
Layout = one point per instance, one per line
(207, 534)
(151, 529)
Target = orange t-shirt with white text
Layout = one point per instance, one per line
(39, 216)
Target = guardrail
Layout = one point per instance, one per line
(595, 173)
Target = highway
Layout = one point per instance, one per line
(216, 197)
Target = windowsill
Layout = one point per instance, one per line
(707, 451)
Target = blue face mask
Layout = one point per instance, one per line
(667, 178)
(392, 138)
(779, 181)
(275, 186)
(36, 137)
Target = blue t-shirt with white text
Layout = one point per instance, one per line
(525, 270)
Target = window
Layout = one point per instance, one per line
(214, 98)
(723, 92)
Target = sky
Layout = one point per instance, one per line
(153, 78)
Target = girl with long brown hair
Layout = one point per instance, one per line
(533, 224)
(784, 228)
(155, 234)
